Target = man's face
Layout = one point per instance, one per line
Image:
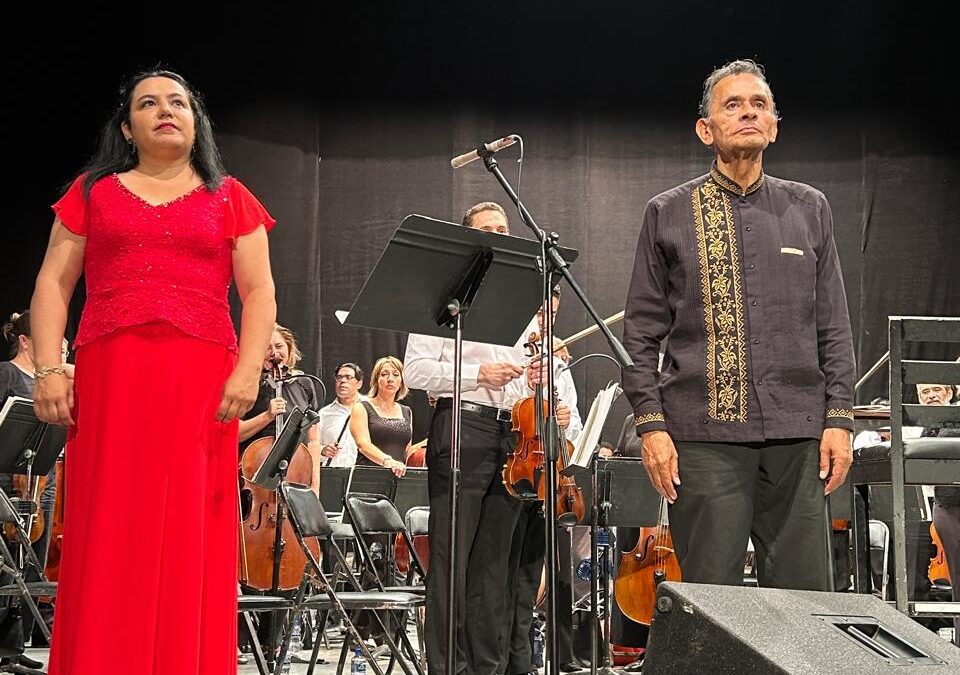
(741, 121)
(934, 394)
(489, 221)
(347, 384)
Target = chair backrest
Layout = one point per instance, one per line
(306, 512)
(879, 534)
(418, 520)
(905, 330)
(373, 514)
(8, 512)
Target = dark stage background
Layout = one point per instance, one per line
(342, 122)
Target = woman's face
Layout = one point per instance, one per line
(161, 120)
(389, 380)
(277, 353)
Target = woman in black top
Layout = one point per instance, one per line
(260, 420)
(381, 426)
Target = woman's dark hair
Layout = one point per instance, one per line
(115, 155)
(19, 324)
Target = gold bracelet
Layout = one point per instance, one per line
(41, 373)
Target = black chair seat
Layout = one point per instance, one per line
(36, 588)
(366, 600)
(915, 448)
(342, 530)
(416, 590)
(262, 603)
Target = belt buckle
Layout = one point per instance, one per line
(504, 415)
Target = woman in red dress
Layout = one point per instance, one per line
(150, 532)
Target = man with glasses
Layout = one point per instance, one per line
(339, 448)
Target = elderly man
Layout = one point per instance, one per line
(747, 425)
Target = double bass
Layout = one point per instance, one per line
(641, 570)
(272, 561)
(523, 471)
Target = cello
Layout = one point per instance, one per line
(641, 570)
(271, 560)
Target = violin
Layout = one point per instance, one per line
(35, 522)
(259, 544)
(938, 570)
(524, 469)
(641, 570)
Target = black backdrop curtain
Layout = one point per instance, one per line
(342, 187)
(343, 120)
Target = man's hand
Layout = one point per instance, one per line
(563, 415)
(496, 375)
(330, 450)
(836, 456)
(660, 461)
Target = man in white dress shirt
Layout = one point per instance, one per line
(338, 445)
(491, 383)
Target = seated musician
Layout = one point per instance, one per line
(16, 379)
(260, 422)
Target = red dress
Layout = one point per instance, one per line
(150, 522)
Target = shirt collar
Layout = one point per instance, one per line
(732, 186)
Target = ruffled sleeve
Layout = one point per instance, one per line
(244, 212)
(71, 208)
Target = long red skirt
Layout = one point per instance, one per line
(148, 575)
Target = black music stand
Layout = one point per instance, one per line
(333, 485)
(444, 272)
(28, 447)
(620, 494)
(411, 491)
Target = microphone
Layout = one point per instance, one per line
(485, 150)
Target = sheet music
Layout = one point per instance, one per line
(9, 403)
(588, 439)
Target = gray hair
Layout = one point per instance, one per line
(738, 67)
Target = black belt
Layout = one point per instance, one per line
(488, 411)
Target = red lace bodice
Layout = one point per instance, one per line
(170, 263)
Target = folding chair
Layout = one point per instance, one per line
(902, 462)
(21, 588)
(310, 520)
(247, 605)
(880, 542)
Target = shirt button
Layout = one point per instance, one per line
(759, 382)
(704, 421)
(752, 265)
(749, 228)
(756, 341)
(753, 302)
(809, 418)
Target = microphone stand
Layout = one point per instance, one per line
(552, 263)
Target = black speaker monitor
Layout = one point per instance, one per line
(702, 629)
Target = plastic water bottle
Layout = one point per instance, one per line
(537, 644)
(286, 663)
(296, 643)
(358, 664)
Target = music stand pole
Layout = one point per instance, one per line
(454, 491)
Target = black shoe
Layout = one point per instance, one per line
(25, 660)
(571, 667)
(634, 666)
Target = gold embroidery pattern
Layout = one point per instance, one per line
(840, 412)
(646, 419)
(722, 291)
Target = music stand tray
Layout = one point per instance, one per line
(21, 433)
(411, 491)
(269, 474)
(427, 262)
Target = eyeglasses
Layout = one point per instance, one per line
(338, 378)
